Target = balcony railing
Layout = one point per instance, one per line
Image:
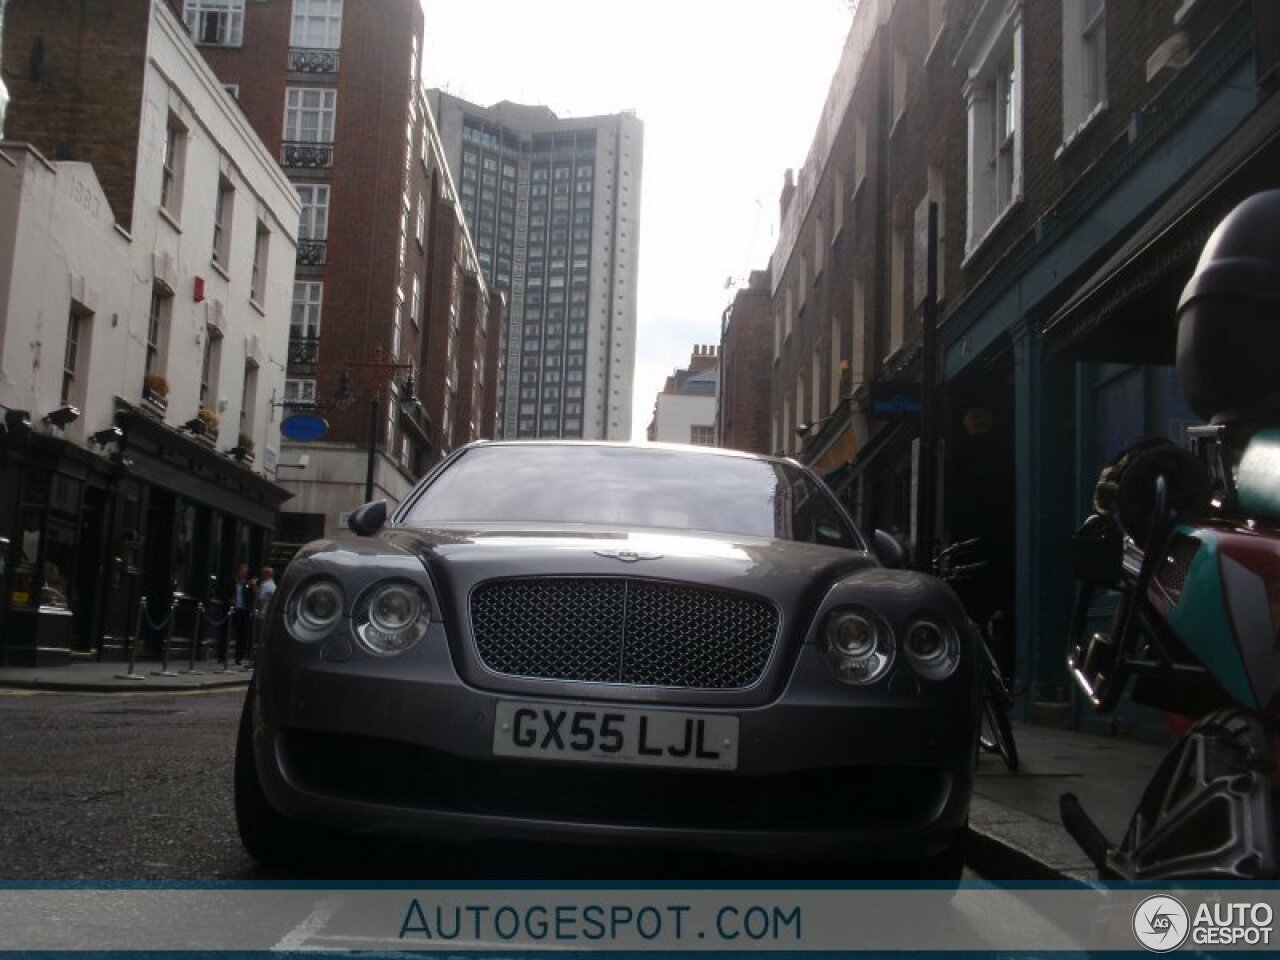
(306, 155)
(304, 351)
(311, 60)
(311, 253)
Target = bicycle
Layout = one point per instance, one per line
(996, 733)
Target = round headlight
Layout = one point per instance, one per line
(392, 618)
(932, 648)
(314, 610)
(852, 635)
(859, 646)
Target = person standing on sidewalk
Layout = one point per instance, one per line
(261, 601)
(241, 610)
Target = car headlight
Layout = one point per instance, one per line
(314, 610)
(392, 617)
(932, 648)
(859, 646)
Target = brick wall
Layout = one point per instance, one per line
(74, 69)
(746, 358)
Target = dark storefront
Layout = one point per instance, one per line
(148, 511)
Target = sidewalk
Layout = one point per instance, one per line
(92, 676)
(1015, 815)
(1016, 829)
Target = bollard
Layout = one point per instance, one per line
(133, 644)
(164, 670)
(195, 642)
(225, 624)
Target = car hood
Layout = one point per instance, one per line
(781, 570)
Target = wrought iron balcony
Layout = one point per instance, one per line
(311, 253)
(306, 155)
(304, 351)
(313, 60)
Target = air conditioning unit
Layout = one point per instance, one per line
(164, 273)
(253, 349)
(215, 317)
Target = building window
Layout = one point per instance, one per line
(215, 22)
(317, 24)
(157, 333)
(1084, 62)
(993, 95)
(309, 114)
(258, 280)
(77, 325)
(702, 436)
(210, 364)
(308, 297)
(299, 391)
(222, 222)
(175, 148)
(248, 397)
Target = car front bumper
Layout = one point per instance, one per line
(822, 771)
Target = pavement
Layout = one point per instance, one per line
(1015, 828)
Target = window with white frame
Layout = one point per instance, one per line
(299, 391)
(313, 221)
(210, 366)
(415, 300)
(1084, 62)
(77, 326)
(308, 302)
(171, 165)
(222, 208)
(993, 96)
(258, 280)
(215, 22)
(309, 114)
(317, 24)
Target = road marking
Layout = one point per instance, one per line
(316, 920)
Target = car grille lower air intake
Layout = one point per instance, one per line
(621, 630)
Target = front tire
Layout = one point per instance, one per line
(271, 839)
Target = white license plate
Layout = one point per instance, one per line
(659, 738)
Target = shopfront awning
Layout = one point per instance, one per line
(1125, 311)
(841, 478)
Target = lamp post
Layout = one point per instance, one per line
(407, 399)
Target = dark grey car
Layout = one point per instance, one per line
(600, 643)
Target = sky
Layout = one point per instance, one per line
(730, 94)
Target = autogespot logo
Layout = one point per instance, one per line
(1161, 923)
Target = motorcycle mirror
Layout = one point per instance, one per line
(367, 520)
(891, 551)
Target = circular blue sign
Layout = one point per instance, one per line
(304, 426)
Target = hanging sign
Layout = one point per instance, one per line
(304, 427)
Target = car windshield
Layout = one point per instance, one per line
(632, 487)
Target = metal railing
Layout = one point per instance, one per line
(313, 60)
(311, 253)
(306, 154)
(304, 351)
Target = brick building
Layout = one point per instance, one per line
(746, 334)
(147, 241)
(1078, 154)
(384, 261)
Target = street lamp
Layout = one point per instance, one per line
(408, 402)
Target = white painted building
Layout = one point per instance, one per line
(137, 364)
(685, 411)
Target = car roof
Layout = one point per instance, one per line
(687, 448)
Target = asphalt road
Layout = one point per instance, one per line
(138, 787)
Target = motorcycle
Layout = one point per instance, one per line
(1187, 543)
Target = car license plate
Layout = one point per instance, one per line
(659, 738)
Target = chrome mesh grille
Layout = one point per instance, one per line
(616, 630)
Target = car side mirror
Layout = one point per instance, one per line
(367, 520)
(891, 551)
